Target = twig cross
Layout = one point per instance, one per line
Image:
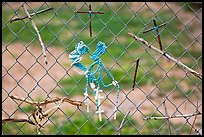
(90, 17)
(157, 31)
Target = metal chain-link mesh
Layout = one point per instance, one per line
(162, 89)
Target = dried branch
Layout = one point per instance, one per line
(121, 124)
(56, 99)
(195, 117)
(168, 122)
(193, 124)
(38, 114)
(21, 18)
(166, 55)
(36, 29)
(17, 120)
(174, 116)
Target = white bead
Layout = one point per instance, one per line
(92, 85)
(85, 72)
(114, 83)
(96, 96)
(100, 97)
(115, 113)
(85, 94)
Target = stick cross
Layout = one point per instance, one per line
(157, 31)
(90, 17)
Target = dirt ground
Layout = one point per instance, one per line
(25, 78)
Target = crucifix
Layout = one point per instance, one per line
(90, 17)
(157, 31)
(87, 102)
(98, 97)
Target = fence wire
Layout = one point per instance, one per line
(166, 99)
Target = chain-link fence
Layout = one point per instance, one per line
(40, 98)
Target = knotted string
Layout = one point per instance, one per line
(90, 12)
(155, 28)
(75, 56)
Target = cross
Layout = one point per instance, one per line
(87, 102)
(90, 17)
(98, 97)
(157, 31)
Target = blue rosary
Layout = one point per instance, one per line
(95, 83)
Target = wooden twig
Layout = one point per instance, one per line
(56, 99)
(36, 29)
(195, 117)
(153, 28)
(17, 120)
(174, 116)
(168, 122)
(21, 18)
(38, 114)
(166, 55)
(90, 20)
(136, 67)
(121, 124)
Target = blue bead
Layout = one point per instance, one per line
(156, 28)
(90, 12)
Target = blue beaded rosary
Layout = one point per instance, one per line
(94, 82)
